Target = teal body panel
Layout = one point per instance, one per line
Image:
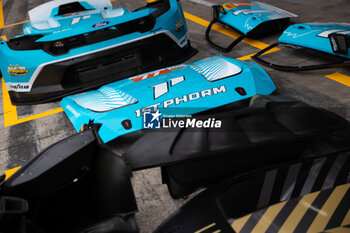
(315, 36)
(33, 61)
(190, 89)
(246, 16)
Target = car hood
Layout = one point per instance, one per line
(184, 89)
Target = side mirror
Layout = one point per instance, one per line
(340, 43)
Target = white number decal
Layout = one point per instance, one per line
(77, 20)
(162, 88)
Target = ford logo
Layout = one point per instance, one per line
(100, 24)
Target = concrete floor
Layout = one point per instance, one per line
(22, 141)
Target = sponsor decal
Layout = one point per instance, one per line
(154, 120)
(67, 29)
(17, 70)
(156, 73)
(183, 99)
(150, 75)
(18, 86)
(191, 123)
(230, 6)
(100, 24)
(151, 120)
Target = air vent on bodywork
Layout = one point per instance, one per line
(64, 45)
(25, 43)
(104, 99)
(216, 68)
(69, 8)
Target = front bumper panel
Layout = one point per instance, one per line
(59, 79)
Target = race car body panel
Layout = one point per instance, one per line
(330, 41)
(250, 19)
(75, 185)
(183, 89)
(310, 195)
(317, 36)
(77, 48)
(245, 16)
(193, 158)
(80, 184)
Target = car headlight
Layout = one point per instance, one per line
(58, 44)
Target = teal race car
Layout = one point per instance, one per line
(69, 46)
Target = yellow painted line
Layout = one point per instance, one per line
(268, 217)
(247, 57)
(39, 115)
(15, 24)
(326, 212)
(340, 78)
(346, 220)
(218, 231)
(2, 23)
(298, 213)
(205, 228)
(10, 111)
(238, 224)
(230, 33)
(10, 172)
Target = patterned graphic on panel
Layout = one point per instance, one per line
(215, 68)
(104, 99)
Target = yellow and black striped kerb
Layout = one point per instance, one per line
(305, 196)
(301, 208)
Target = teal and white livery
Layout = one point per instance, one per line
(104, 99)
(73, 45)
(249, 19)
(329, 39)
(184, 89)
